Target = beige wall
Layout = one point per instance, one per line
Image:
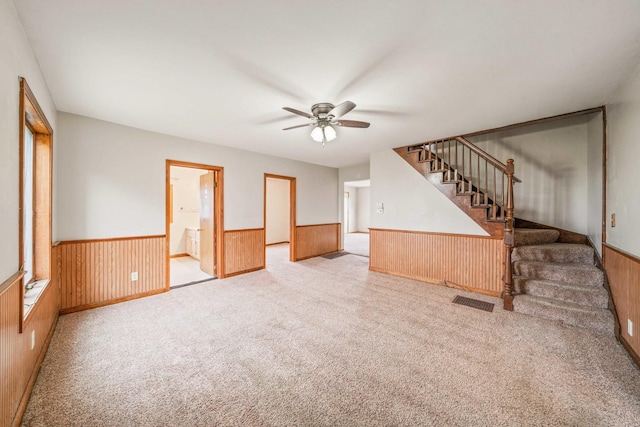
(351, 224)
(111, 181)
(364, 208)
(623, 166)
(594, 181)
(411, 202)
(16, 59)
(551, 161)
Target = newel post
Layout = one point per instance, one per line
(508, 237)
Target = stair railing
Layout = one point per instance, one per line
(488, 182)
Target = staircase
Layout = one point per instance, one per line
(477, 183)
(559, 281)
(474, 180)
(553, 280)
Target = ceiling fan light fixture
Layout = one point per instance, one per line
(329, 133)
(322, 133)
(316, 134)
(324, 115)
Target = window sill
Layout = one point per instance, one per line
(32, 295)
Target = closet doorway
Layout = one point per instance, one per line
(194, 223)
(279, 216)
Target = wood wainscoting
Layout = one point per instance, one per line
(468, 262)
(94, 273)
(19, 363)
(243, 251)
(623, 271)
(315, 240)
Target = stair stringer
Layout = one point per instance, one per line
(462, 201)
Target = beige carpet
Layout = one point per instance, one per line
(326, 342)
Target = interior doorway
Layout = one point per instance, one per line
(194, 223)
(357, 214)
(279, 215)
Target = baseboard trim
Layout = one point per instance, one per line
(237, 273)
(178, 255)
(111, 302)
(438, 282)
(22, 407)
(634, 356)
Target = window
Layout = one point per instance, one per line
(27, 206)
(36, 140)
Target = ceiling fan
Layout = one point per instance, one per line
(325, 116)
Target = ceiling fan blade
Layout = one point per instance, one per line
(341, 109)
(299, 126)
(298, 112)
(351, 124)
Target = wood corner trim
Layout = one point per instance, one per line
(109, 239)
(435, 233)
(11, 281)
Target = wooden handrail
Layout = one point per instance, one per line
(488, 157)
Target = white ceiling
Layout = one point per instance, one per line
(221, 71)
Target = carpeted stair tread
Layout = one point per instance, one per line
(579, 274)
(535, 236)
(586, 295)
(597, 319)
(555, 252)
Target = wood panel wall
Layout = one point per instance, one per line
(468, 262)
(19, 364)
(98, 272)
(623, 273)
(243, 251)
(315, 240)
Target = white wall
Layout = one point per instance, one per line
(551, 161)
(186, 205)
(278, 206)
(594, 183)
(111, 181)
(623, 166)
(351, 225)
(16, 59)
(364, 209)
(411, 202)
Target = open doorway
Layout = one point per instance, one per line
(193, 223)
(279, 216)
(357, 214)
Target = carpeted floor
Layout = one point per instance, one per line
(326, 342)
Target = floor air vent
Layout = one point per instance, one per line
(335, 255)
(470, 302)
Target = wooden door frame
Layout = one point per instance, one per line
(218, 215)
(292, 215)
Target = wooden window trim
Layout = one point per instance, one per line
(32, 116)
